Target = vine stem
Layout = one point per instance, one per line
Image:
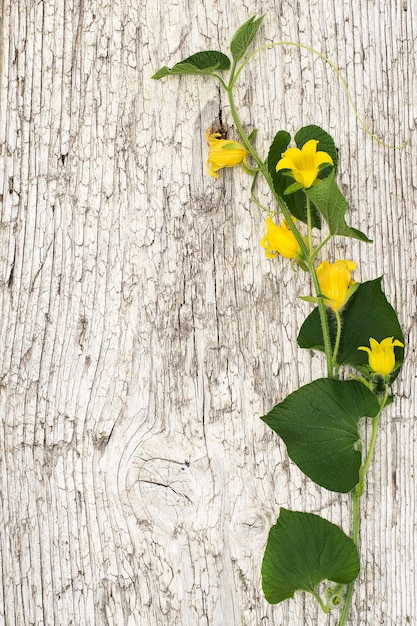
(361, 485)
(287, 215)
(323, 606)
(323, 320)
(356, 498)
(338, 336)
(309, 254)
(309, 228)
(235, 76)
(355, 537)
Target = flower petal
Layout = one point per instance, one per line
(289, 159)
(322, 158)
(306, 177)
(309, 150)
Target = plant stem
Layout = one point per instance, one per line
(320, 246)
(235, 76)
(338, 336)
(252, 194)
(361, 485)
(323, 320)
(323, 606)
(309, 228)
(355, 537)
(356, 497)
(307, 254)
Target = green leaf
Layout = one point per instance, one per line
(319, 425)
(304, 549)
(296, 202)
(278, 146)
(325, 141)
(232, 145)
(367, 314)
(201, 63)
(292, 188)
(243, 37)
(309, 299)
(332, 204)
(311, 336)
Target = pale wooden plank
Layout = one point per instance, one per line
(143, 331)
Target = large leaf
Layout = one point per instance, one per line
(332, 204)
(304, 549)
(201, 63)
(319, 425)
(367, 314)
(243, 37)
(296, 202)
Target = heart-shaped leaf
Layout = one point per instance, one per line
(304, 549)
(201, 63)
(367, 314)
(319, 425)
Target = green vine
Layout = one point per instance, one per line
(352, 323)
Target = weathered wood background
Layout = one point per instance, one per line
(143, 332)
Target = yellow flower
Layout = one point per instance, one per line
(305, 163)
(223, 153)
(335, 280)
(279, 240)
(381, 355)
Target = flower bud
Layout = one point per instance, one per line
(279, 240)
(335, 280)
(223, 153)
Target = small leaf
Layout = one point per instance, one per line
(304, 549)
(325, 141)
(367, 314)
(294, 187)
(201, 63)
(319, 425)
(309, 298)
(296, 202)
(243, 37)
(332, 204)
(232, 145)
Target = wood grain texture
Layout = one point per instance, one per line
(143, 332)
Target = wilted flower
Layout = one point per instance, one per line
(223, 153)
(335, 280)
(305, 163)
(381, 355)
(279, 240)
